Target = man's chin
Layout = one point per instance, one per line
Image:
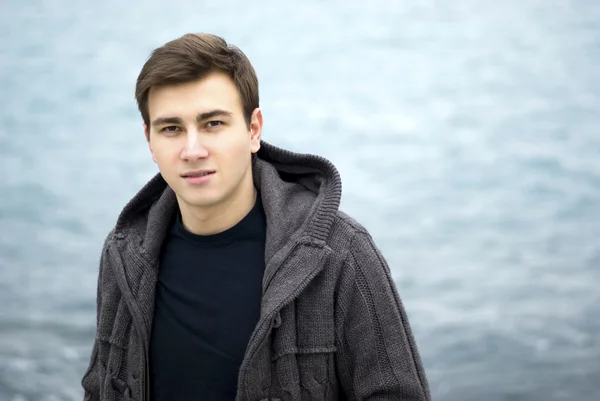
(199, 202)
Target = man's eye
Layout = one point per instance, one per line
(215, 123)
(170, 128)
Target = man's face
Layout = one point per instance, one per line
(198, 128)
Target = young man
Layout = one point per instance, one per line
(232, 275)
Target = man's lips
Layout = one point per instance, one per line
(198, 173)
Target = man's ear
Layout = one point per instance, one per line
(256, 125)
(147, 135)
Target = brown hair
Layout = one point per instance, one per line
(194, 56)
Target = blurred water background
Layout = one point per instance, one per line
(467, 133)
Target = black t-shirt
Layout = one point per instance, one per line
(207, 305)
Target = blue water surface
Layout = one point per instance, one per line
(467, 133)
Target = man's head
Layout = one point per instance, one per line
(198, 97)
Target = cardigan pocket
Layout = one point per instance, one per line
(315, 365)
(307, 373)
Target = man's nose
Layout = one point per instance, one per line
(194, 147)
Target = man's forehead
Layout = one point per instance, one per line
(214, 83)
(190, 99)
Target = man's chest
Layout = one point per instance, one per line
(210, 295)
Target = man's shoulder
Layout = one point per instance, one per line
(348, 222)
(347, 232)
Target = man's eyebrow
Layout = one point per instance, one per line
(167, 120)
(200, 117)
(213, 113)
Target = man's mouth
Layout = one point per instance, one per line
(197, 174)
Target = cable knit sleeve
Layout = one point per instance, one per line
(92, 377)
(377, 357)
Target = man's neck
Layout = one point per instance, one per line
(209, 221)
